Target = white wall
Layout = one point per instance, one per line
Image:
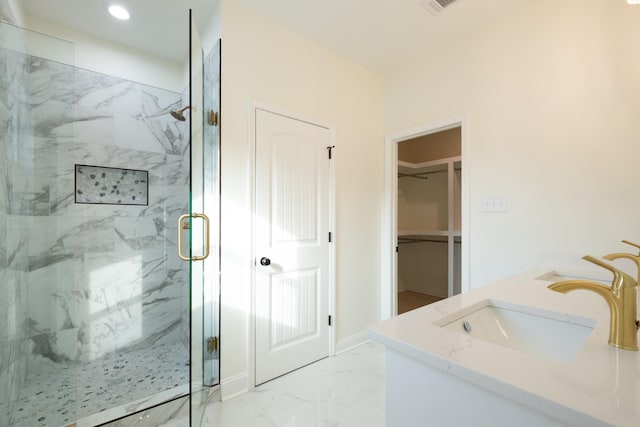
(113, 59)
(266, 62)
(553, 95)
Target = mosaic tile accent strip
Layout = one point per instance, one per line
(101, 185)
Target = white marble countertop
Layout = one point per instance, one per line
(599, 387)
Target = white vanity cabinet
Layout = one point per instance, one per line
(419, 394)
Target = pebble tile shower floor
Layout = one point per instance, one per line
(60, 398)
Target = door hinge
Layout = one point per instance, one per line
(330, 148)
(330, 237)
(329, 320)
(397, 249)
(213, 118)
(212, 344)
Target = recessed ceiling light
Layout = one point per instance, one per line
(119, 12)
(633, 1)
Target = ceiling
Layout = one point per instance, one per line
(380, 34)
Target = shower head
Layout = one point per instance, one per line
(179, 114)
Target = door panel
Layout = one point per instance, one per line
(292, 247)
(293, 309)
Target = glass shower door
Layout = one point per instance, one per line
(211, 151)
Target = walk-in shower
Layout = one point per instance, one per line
(95, 308)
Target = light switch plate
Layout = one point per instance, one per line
(495, 204)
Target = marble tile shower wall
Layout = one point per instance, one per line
(14, 117)
(100, 278)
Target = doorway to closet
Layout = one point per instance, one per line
(429, 218)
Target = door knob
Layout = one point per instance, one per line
(265, 261)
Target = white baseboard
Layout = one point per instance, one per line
(234, 386)
(351, 342)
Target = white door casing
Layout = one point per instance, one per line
(292, 220)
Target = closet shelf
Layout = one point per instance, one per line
(428, 233)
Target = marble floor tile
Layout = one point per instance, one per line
(346, 390)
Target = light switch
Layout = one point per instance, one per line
(494, 204)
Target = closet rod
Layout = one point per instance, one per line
(418, 176)
(405, 241)
(421, 174)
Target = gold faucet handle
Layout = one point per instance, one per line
(634, 258)
(636, 245)
(620, 278)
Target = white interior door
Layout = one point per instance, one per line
(292, 244)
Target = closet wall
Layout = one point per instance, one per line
(429, 214)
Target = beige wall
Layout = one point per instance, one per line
(266, 62)
(423, 267)
(423, 203)
(553, 96)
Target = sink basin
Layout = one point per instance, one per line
(541, 333)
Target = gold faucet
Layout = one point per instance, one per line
(621, 298)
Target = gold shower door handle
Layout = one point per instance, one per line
(185, 225)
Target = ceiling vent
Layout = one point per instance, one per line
(436, 6)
